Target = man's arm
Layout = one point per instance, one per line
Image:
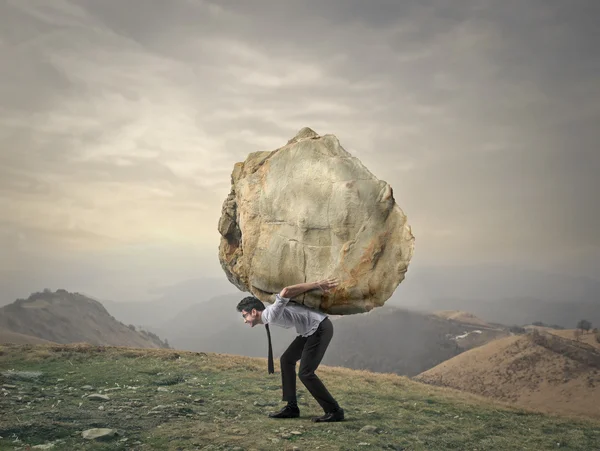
(295, 290)
(274, 311)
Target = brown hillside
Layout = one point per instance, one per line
(64, 317)
(586, 337)
(537, 370)
(461, 317)
(7, 336)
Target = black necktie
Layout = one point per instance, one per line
(271, 366)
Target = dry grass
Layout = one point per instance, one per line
(515, 369)
(153, 407)
(585, 337)
(7, 336)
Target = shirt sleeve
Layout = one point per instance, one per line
(273, 312)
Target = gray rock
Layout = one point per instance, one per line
(87, 387)
(22, 375)
(307, 211)
(265, 403)
(98, 397)
(160, 407)
(369, 429)
(99, 434)
(45, 446)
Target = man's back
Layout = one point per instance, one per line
(287, 314)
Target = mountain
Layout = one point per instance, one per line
(501, 294)
(387, 339)
(521, 311)
(64, 317)
(541, 370)
(169, 301)
(487, 283)
(216, 326)
(401, 341)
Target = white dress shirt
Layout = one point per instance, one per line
(285, 315)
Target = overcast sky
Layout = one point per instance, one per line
(120, 123)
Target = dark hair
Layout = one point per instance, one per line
(249, 303)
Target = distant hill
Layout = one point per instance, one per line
(490, 283)
(401, 341)
(540, 370)
(64, 317)
(168, 302)
(216, 326)
(462, 317)
(387, 339)
(521, 311)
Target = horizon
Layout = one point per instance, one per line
(120, 127)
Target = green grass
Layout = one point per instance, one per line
(172, 400)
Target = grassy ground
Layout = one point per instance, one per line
(171, 400)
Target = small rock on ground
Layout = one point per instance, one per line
(99, 434)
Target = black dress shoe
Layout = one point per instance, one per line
(330, 417)
(286, 412)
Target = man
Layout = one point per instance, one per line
(314, 334)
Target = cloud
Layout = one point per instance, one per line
(120, 125)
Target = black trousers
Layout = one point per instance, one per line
(310, 352)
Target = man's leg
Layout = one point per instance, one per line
(288, 379)
(288, 362)
(313, 353)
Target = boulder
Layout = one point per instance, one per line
(308, 211)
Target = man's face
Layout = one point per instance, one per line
(252, 317)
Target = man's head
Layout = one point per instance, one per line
(251, 309)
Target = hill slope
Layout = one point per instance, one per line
(170, 400)
(394, 340)
(7, 336)
(64, 317)
(539, 370)
(588, 338)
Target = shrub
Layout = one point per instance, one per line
(584, 325)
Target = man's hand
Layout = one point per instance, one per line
(295, 290)
(328, 284)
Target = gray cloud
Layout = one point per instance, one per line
(120, 123)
